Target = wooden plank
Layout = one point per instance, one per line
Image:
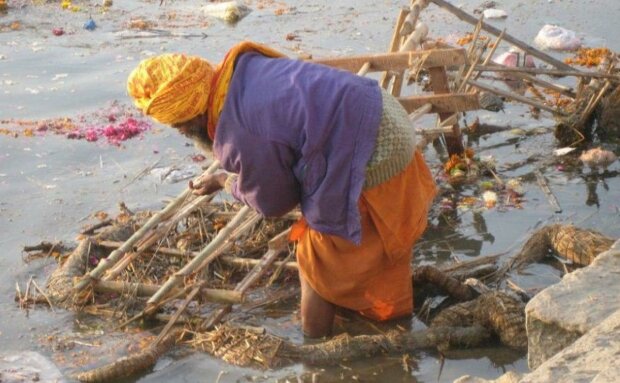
(442, 103)
(439, 84)
(397, 61)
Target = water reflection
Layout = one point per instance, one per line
(592, 181)
(452, 232)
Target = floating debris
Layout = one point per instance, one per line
(494, 14)
(229, 11)
(589, 57)
(557, 38)
(490, 198)
(90, 25)
(116, 124)
(597, 158)
(562, 151)
(140, 24)
(58, 31)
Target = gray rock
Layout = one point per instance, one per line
(592, 358)
(560, 314)
(509, 377)
(28, 366)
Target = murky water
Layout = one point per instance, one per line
(50, 185)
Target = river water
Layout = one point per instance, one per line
(49, 185)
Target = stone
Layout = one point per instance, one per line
(562, 313)
(28, 366)
(509, 377)
(592, 358)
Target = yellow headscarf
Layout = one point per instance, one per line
(171, 88)
(174, 88)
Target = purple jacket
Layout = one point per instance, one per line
(299, 133)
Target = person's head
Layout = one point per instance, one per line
(174, 90)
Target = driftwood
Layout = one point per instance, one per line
(497, 311)
(233, 344)
(580, 246)
(131, 365)
(436, 277)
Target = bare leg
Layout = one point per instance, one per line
(317, 314)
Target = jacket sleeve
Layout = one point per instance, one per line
(266, 181)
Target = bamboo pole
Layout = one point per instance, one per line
(276, 246)
(219, 240)
(394, 45)
(515, 97)
(545, 84)
(364, 69)
(549, 72)
(155, 236)
(225, 259)
(420, 112)
(496, 32)
(542, 182)
(463, 83)
(147, 290)
(107, 263)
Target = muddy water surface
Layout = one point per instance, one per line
(49, 185)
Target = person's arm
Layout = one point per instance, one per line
(209, 183)
(266, 181)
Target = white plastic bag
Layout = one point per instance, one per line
(557, 38)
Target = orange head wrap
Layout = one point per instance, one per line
(171, 88)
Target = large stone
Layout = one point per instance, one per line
(509, 377)
(28, 366)
(560, 314)
(592, 358)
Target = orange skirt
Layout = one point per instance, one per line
(375, 277)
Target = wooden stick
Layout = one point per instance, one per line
(516, 97)
(592, 105)
(463, 84)
(40, 290)
(439, 84)
(556, 87)
(550, 72)
(364, 69)
(90, 230)
(147, 290)
(276, 246)
(155, 235)
(394, 45)
(542, 182)
(178, 313)
(217, 242)
(496, 32)
(226, 259)
(107, 263)
(441, 103)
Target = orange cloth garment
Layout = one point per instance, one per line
(223, 75)
(374, 278)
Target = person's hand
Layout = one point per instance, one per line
(208, 183)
